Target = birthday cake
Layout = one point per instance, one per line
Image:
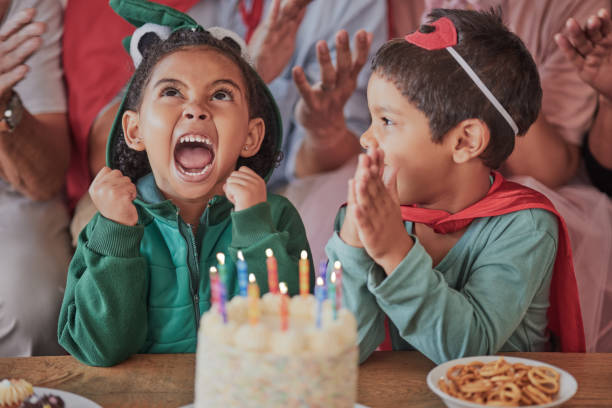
(296, 352)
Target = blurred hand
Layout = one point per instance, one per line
(349, 232)
(245, 188)
(589, 48)
(273, 42)
(112, 193)
(320, 109)
(20, 37)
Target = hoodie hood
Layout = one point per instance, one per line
(161, 21)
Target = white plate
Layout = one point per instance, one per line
(191, 406)
(567, 387)
(70, 400)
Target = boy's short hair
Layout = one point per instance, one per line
(437, 85)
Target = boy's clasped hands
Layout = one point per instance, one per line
(373, 218)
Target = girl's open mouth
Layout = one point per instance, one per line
(194, 156)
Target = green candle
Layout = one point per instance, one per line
(331, 293)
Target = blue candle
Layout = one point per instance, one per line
(323, 272)
(320, 296)
(243, 275)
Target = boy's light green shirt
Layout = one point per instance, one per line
(489, 293)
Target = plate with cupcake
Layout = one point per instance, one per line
(18, 393)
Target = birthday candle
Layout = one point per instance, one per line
(323, 272)
(214, 286)
(221, 266)
(272, 271)
(304, 274)
(320, 296)
(284, 307)
(338, 270)
(253, 301)
(243, 276)
(222, 300)
(331, 292)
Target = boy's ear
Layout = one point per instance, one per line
(131, 130)
(470, 139)
(255, 136)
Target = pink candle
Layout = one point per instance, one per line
(338, 270)
(272, 271)
(214, 286)
(284, 307)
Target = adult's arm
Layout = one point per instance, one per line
(589, 48)
(543, 154)
(34, 156)
(332, 112)
(550, 151)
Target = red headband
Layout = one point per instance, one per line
(444, 35)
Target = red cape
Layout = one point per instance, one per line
(564, 316)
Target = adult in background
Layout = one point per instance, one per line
(589, 48)
(34, 154)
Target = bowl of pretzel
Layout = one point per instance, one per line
(501, 381)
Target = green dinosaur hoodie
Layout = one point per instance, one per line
(143, 288)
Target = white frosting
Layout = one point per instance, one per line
(266, 366)
(287, 343)
(252, 338)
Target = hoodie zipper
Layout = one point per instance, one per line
(193, 267)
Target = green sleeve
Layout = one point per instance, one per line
(274, 224)
(103, 319)
(356, 297)
(479, 317)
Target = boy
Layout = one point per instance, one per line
(459, 260)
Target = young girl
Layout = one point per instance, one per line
(193, 140)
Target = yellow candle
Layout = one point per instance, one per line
(253, 300)
(304, 274)
(284, 307)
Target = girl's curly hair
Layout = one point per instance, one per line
(135, 164)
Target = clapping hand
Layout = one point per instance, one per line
(590, 50)
(320, 109)
(20, 37)
(273, 42)
(374, 212)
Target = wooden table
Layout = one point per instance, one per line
(387, 379)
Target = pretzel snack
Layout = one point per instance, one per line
(499, 383)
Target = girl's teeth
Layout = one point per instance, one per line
(197, 173)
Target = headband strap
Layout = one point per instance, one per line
(445, 36)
